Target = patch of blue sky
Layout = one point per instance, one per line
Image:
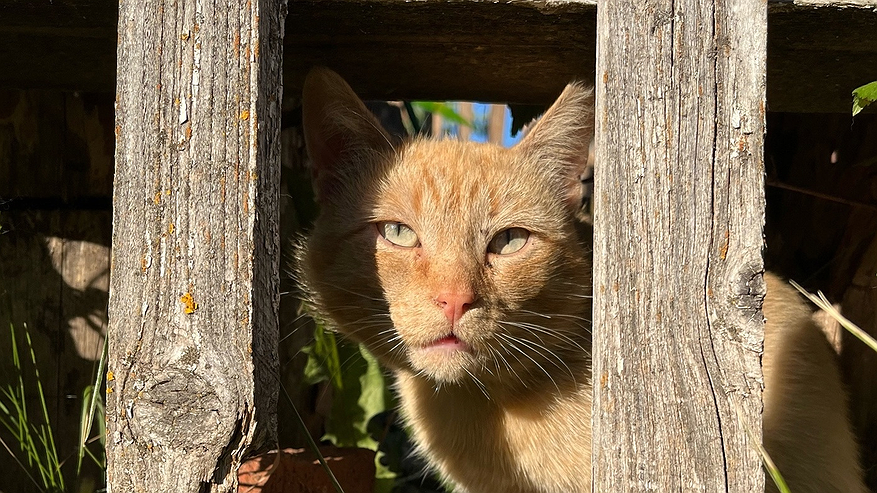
(481, 113)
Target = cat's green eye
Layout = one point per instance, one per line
(398, 234)
(508, 241)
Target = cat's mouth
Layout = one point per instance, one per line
(448, 342)
(446, 359)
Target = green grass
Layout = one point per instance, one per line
(33, 446)
(34, 437)
(93, 405)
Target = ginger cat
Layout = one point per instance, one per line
(463, 269)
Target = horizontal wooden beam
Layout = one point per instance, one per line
(517, 51)
(522, 52)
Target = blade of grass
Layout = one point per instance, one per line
(766, 461)
(93, 457)
(23, 467)
(822, 302)
(311, 443)
(772, 469)
(17, 415)
(18, 399)
(89, 402)
(48, 437)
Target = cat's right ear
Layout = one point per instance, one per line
(341, 134)
(560, 140)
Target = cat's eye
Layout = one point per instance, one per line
(508, 241)
(398, 234)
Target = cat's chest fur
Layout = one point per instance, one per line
(538, 444)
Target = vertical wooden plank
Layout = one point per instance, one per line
(679, 213)
(194, 271)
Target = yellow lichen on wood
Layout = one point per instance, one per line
(189, 303)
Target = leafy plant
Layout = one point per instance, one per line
(445, 110)
(360, 391)
(864, 96)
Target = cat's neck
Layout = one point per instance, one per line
(466, 435)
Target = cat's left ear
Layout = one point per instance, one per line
(560, 140)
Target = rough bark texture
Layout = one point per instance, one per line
(192, 382)
(679, 212)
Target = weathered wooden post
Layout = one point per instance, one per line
(193, 294)
(679, 215)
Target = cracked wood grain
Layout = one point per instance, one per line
(679, 213)
(194, 273)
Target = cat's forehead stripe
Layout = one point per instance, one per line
(481, 187)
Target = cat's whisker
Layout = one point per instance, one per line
(370, 347)
(498, 354)
(369, 119)
(533, 328)
(397, 345)
(384, 328)
(511, 342)
(585, 328)
(377, 341)
(511, 368)
(303, 318)
(349, 291)
(535, 313)
(550, 357)
(478, 383)
(364, 308)
(555, 315)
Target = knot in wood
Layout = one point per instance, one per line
(180, 410)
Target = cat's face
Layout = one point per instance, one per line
(454, 260)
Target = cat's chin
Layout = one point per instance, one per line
(445, 360)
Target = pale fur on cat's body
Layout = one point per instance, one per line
(507, 415)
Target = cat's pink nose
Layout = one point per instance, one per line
(455, 304)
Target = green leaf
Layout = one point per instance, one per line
(323, 360)
(359, 391)
(364, 394)
(864, 96)
(444, 110)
